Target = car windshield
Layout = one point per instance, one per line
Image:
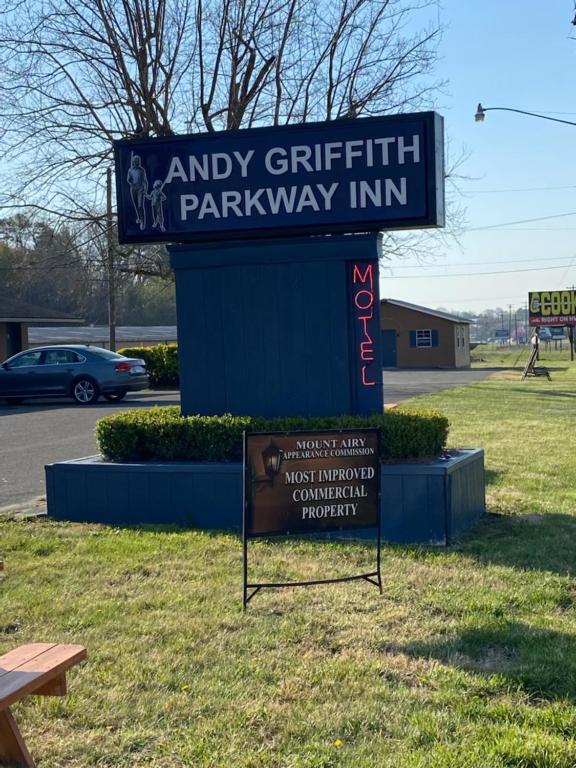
(106, 354)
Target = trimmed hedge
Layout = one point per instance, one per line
(161, 363)
(163, 434)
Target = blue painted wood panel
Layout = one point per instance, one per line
(268, 333)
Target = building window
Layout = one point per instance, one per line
(424, 338)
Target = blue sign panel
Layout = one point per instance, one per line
(358, 175)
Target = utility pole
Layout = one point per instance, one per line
(509, 323)
(110, 262)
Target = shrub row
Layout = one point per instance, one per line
(163, 434)
(161, 363)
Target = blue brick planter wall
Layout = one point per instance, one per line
(428, 503)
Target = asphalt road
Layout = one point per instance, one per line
(42, 432)
(402, 385)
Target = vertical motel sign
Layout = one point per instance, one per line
(365, 334)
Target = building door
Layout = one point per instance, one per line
(389, 349)
(13, 339)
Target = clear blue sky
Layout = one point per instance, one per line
(504, 53)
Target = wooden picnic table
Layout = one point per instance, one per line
(37, 669)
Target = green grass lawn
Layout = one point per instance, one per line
(512, 356)
(467, 660)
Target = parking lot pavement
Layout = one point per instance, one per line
(40, 432)
(404, 384)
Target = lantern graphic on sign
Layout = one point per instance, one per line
(272, 460)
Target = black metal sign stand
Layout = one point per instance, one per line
(250, 589)
(374, 577)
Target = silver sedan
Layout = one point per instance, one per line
(74, 370)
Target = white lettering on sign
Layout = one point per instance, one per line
(329, 510)
(334, 154)
(188, 203)
(281, 198)
(384, 144)
(231, 201)
(215, 186)
(214, 167)
(275, 161)
(327, 194)
(295, 199)
(243, 161)
(366, 193)
(327, 448)
(403, 150)
(221, 166)
(264, 201)
(252, 200)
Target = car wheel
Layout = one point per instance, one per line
(85, 391)
(113, 397)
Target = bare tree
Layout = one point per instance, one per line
(281, 61)
(77, 74)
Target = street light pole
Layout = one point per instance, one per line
(481, 113)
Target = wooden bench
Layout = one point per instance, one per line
(38, 669)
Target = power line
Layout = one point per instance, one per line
(521, 221)
(517, 189)
(505, 299)
(532, 229)
(481, 263)
(472, 274)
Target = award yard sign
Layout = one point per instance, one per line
(310, 482)
(552, 307)
(361, 175)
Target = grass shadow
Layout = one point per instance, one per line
(541, 662)
(492, 475)
(529, 542)
(542, 392)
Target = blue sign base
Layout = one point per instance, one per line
(280, 327)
